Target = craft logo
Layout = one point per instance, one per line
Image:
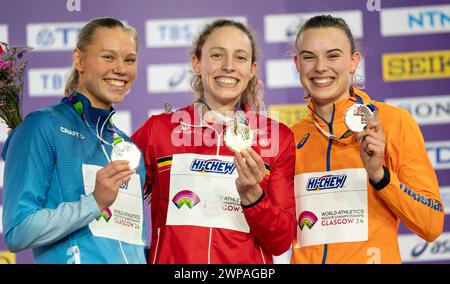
(212, 166)
(416, 65)
(308, 219)
(326, 182)
(106, 214)
(185, 197)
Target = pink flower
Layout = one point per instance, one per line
(1, 48)
(4, 64)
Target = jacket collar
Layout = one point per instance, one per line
(337, 125)
(88, 113)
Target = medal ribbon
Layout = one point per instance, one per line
(347, 133)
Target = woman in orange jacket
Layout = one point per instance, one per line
(361, 165)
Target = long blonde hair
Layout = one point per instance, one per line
(253, 94)
(85, 37)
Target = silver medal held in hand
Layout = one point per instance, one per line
(238, 136)
(358, 116)
(126, 151)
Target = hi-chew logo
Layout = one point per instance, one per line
(308, 219)
(212, 166)
(326, 182)
(185, 197)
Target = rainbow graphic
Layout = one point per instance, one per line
(106, 214)
(185, 197)
(308, 219)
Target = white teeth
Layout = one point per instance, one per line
(322, 81)
(116, 83)
(226, 81)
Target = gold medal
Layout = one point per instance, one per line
(238, 136)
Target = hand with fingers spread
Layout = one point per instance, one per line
(108, 181)
(372, 148)
(251, 170)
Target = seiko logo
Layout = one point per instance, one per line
(71, 132)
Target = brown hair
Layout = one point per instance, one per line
(85, 37)
(253, 94)
(328, 21)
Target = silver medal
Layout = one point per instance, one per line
(238, 136)
(126, 151)
(357, 117)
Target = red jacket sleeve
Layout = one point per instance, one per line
(272, 219)
(143, 139)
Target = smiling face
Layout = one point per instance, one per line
(325, 63)
(107, 66)
(225, 67)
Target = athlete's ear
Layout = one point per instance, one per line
(77, 60)
(196, 65)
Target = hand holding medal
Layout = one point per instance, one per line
(373, 143)
(238, 136)
(251, 170)
(126, 151)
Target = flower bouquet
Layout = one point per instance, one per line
(12, 70)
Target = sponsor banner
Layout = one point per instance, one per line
(282, 73)
(415, 20)
(445, 197)
(415, 249)
(53, 36)
(284, 27)
(416, 65)
(4, 33)
(169, 78)
(122, 120)
(288, 114)
(47, 82)
(439, 153)
(7, 257)
(425, 110)
(176, 32)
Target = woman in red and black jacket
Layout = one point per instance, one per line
(220, 174)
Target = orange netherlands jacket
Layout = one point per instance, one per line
(412, 196)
